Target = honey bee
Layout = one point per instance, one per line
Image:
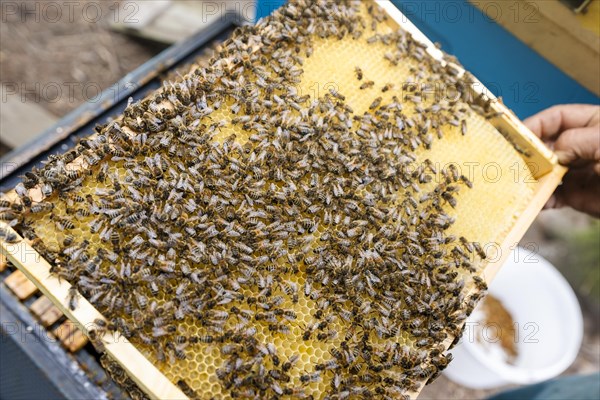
(373, 39)
(479, 250)
(41, 207)
(8, 236)
(288, 365)
(72, 298)
(325, 336)
(309, 378)
(279, 328)
(479, 283)
(23, 194)
(468, 245)
(367, 85)
(96, 340)
(276, 388)
(336, 94)
(63, 223)
(359, 73)
(375, 103)
(329, 365)
(187, 390)
(387, 87)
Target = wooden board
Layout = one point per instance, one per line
(149, 378)
(22, 287)
(45, 310)
(3, 262)
(70, 336)
(170, 21)
(22, 121)
(555, 32)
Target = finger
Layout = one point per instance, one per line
(578, 144)
(552, 121)
(580, 190)
(580, 201)
(551, 203)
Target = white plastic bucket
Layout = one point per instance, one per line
(548, 323)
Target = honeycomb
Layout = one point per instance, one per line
(277, 328)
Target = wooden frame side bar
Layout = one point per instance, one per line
(545, 187)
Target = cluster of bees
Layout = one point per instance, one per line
(307, 203)
(118, 374)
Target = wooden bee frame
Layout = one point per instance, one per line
(156, 385)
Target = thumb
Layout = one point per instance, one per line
(578, 144)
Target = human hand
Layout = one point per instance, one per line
(573, 132)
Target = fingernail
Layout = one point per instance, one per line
(564, 157)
